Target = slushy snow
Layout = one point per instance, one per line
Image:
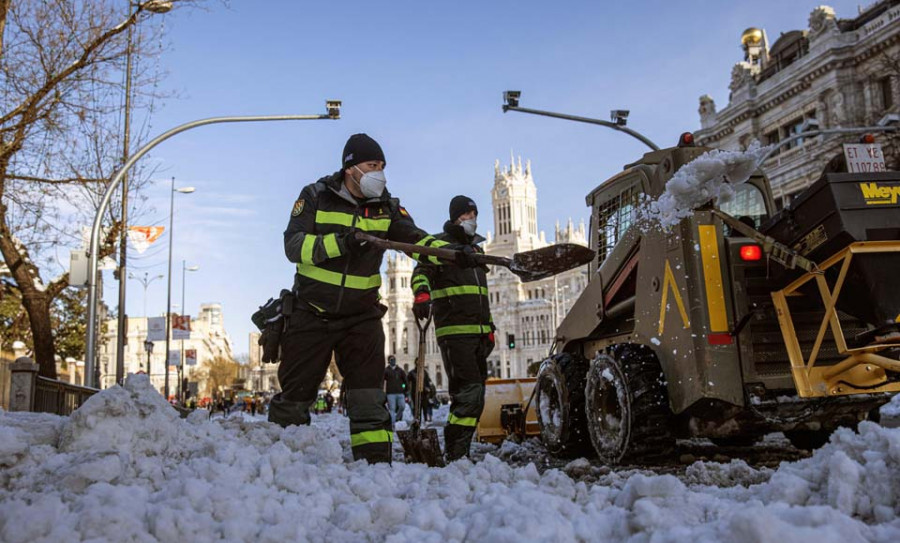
(712, 175)
(124, 467)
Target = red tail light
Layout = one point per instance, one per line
(686, 140)
(751, 253)
(867, 138)
(719, 339)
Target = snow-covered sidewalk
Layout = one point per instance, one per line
(124, 467)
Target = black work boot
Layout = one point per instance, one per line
(457, 440)
(285, 412)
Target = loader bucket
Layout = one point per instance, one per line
(502, 399)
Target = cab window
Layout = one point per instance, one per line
(747, 204)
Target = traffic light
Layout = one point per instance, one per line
(511, 340)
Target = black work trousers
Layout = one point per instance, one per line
(465, 362)
(357, 344)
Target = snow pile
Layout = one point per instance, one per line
(711, 175)
(890, 412)
(124, 469)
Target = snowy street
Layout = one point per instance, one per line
(124, 467)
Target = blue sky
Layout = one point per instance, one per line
(425, 79)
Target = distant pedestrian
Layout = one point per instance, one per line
(329, 400)
(253, 406)
(395, 389)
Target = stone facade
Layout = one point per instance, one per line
(837, 73)
(529, 312)
(208, 337)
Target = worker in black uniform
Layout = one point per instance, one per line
(336, 308)
(463, 325)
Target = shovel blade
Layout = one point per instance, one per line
(421, 446)
(549, 261)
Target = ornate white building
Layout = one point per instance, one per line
(208, 338)
(838, 73)
(526, 314)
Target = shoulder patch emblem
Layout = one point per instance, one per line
(404, 212)
(298, 207)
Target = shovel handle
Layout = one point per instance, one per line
(440, 252)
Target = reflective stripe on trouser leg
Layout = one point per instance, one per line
(465, 410)
(285, 412)
(370, 425)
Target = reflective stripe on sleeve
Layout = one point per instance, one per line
(331, 246)
(306, 250)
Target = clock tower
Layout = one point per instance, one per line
(514, 198)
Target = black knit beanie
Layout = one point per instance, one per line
(361, 148)
(460, 205)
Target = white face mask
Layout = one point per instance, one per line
(469, 226)
(372, 184)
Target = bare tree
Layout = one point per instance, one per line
(61, 103)
(220, 372)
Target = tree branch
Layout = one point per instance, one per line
(71, 180)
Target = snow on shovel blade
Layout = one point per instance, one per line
(421, 446)
(549, 261)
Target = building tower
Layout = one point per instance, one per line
(514, 199)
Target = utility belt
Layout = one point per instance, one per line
(272, 319)
(275, 316)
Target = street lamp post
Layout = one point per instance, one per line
(184, 269)
(145, 280)
(148, 346)
(333, 113)
(619, 117)
(183, 190)
(151, 6)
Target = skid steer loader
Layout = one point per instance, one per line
(735, 323)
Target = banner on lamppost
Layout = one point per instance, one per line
(142, 236)
(156, 328)
(190, 357)
(175, 358)
(181, 327)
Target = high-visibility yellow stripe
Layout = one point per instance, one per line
(346, 219)
(669, 283)
(334, 278)
(331, 246)
(371, 436)
(306, 250)
(712, 277)
(459, 291)
(462, 421)
(462, 329)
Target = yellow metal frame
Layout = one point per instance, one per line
(863, 370)
(499, 392)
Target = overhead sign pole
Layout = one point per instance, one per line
(333, 108)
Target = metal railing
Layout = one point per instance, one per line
(52, 396)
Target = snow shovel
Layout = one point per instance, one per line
(420, 445)
(529, 266)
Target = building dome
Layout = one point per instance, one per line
(751, 36)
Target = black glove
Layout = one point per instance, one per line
(351, 245)
(270, 340)
(422, 305)
(465, 256)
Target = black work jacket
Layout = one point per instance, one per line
(329, 281)
(459, 296)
